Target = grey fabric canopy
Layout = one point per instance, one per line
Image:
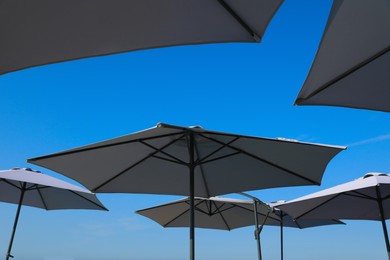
(226, 214)
(352, 65)
(47, 31)
(213, 213)
(287, 221)
(191, 161)
(23, 186)
(365, 198)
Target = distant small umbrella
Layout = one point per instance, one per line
(24, 186)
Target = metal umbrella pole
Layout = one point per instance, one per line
(382, 214)
(23, 190)
(190, 138)
(281, 235)
(258, 227)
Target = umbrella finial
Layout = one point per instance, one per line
(371, 174)
(24, 169)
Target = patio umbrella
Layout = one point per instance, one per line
(366, 198)
(227, 214)
(45, 31)
(191, 161)
(351, 68)
(212, 213)
(24, 186)
(287, 221)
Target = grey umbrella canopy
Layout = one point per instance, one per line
(352, 64)
(47, 31)
(285, 220)
(366, 198)
(191, 161)
(227, 214)
(212, 213)
(24, 186)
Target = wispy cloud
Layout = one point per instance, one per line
(58, 258)
(371, 140)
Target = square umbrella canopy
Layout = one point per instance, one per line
(37, 32)
(23, 186)
(227, 214)
(366, 198)
(191, 161)
(352, 64)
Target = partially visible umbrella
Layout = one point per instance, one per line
(212, 213)
(42, 32)
(352, 65)
(287, 221)
(24, 186)
(226, 214)
(366, 198)
(191, 161)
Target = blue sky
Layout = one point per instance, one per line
(238, 88)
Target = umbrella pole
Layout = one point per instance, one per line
(382, 214)
(257, 230)
(386, 237)
(192, 197)
(16, 222)
(281, 236)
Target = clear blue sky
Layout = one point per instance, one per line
(239, 88)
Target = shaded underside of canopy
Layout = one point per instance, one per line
(47, 31)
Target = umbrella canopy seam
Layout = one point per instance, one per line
(332, 82)
(252, 33)
(132, 166)
(85, 149)
(319, 205)
(42, 199)
(181, 214)
(81, 196)
(267, 162)
(221, 215)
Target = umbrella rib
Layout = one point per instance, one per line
(218, 209)
(265, 161)
(97, 147)
(43, 200)
(10, 183)
(133, 165)
(168, 160)
(81, 196)
(255, 36)
(319, 205)
(36, 187)
(167, 154)
(160, 206)
(297, 223)
(200, 161)
(258, 213)
(358, 195)
(345, 74)
(221, 157)
(198, 209)
(220, 214)
(181, 214)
